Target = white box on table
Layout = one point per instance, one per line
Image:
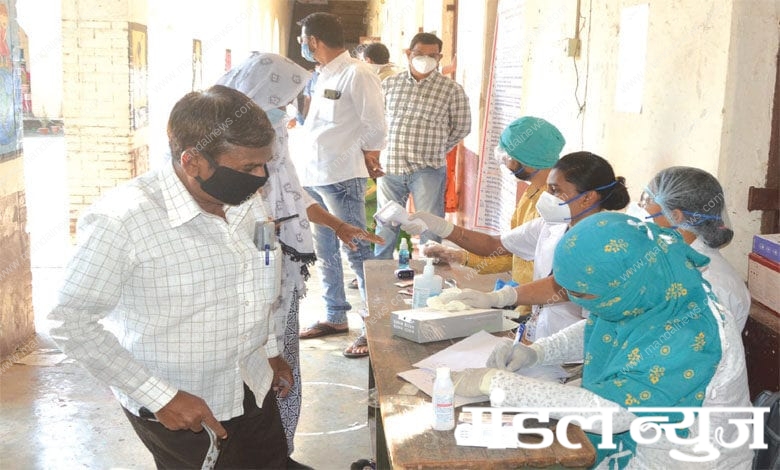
(424, 325)
(764, 280)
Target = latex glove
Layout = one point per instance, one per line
(504, 297)
(447, 254)
(414, 227)
(448, 295)
(434, 223)
(473, 382)
(512, 356)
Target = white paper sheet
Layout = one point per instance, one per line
(469, 353)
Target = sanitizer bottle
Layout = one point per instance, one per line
(425, 286)
(443, 398)
(403, 255)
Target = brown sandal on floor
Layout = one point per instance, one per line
(318, 330)
(360, 343)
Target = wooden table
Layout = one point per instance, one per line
(404, 436)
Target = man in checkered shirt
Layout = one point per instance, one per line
(427, 115)
(167, 297)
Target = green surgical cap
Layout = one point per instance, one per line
(533, 141)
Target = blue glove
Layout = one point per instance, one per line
(501, 283)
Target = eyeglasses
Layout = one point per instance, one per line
(644, 200)
(499, 154)
(436, 56)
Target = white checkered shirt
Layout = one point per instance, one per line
(161, 296)
(425, 120)
(337, 131)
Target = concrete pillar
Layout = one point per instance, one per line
(105, 94)
(17, 327)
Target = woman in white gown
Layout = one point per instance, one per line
(691, 201)
(655, 338)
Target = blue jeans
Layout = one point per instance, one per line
(427, 189)
(347, 201)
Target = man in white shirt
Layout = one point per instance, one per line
(167, 297)
(345, 130)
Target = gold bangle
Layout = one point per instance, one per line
(336, 230)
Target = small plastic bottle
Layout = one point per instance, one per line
(426, 286)
(403, 255)
(497, 397)
(443, 398)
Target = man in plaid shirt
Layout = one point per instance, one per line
(427, 115)
(167, 297)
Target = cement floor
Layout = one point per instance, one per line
(56, 416)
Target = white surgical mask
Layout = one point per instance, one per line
(553, 210)
(424, 64)
(634, 210)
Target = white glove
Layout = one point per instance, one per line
(394, 214)
(414, 227)
(434, 223)
(504, 297)
(431, 249)
(473, 382)
(512, 357)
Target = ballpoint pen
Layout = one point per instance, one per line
(520, 331)
(284, 219)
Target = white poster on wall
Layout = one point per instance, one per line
(497, 192)
(632, 55)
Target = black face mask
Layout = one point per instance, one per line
(523, 174)
(231, 186)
